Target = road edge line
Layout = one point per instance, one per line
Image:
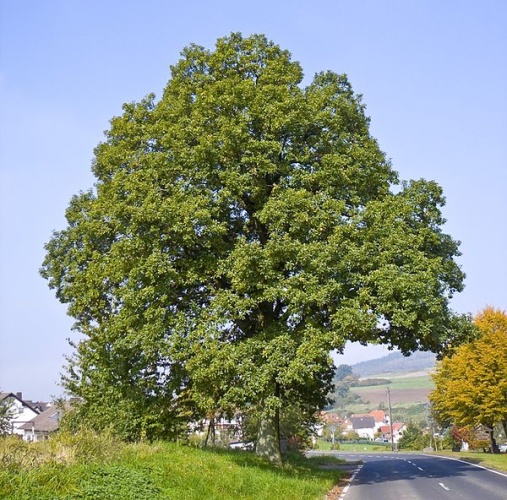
(469, 463)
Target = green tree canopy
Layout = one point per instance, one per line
(342, 372)
(240, 228)
(412, 438)
(6, 414)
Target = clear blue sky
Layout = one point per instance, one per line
(433, 75)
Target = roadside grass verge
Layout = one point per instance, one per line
(104, 469)
(359, 447)
(496, 461)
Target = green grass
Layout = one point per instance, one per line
(360, 446)
(157, 471)
(397, 382)
(493, 461)
(420, 382)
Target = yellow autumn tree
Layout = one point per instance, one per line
(471, 384)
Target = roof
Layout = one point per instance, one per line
(365, 422)
(331, 418)
(6, 395)
(378, 415)
(38, 405)
(386, 429)
(47, 421)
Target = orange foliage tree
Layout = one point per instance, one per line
(471, 384)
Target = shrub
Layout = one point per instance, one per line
(115, 481)
(413, 438)
(62, 448)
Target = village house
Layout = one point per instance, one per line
(328, 419)
(380, 417)
(30, 420)
(40, 427)
(21, 411)
(385, 431)
(362, 425)
(373, 425)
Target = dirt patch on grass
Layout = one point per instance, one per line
(335, 493)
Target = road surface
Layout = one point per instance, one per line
(396, 476)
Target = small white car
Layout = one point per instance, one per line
(502, 448)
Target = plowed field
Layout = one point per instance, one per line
(376, 395)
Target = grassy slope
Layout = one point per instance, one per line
(162, 471)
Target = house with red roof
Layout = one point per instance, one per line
(362, 424)
(398, 428)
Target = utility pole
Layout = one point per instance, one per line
(390, 417)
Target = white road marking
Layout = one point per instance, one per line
(444, 486)
(415, 465)
(344, 491)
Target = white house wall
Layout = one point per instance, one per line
(21, 415)
(366, 433)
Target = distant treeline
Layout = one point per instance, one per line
(367, 382)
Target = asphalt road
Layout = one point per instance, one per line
(393, 476)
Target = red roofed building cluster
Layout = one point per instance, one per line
(374, 425)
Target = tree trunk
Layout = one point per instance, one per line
(268, 440)
(211, 432)
(494, 446)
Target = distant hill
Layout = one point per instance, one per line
(396, 363)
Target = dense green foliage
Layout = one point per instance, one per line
(240, 228)
(342, 372)
(413, 438)
(341, 395)
(6, 413)
(96, 467)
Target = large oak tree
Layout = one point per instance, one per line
(240, 228)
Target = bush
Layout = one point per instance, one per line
(16, 454)
(115, 482)
(413, 438)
